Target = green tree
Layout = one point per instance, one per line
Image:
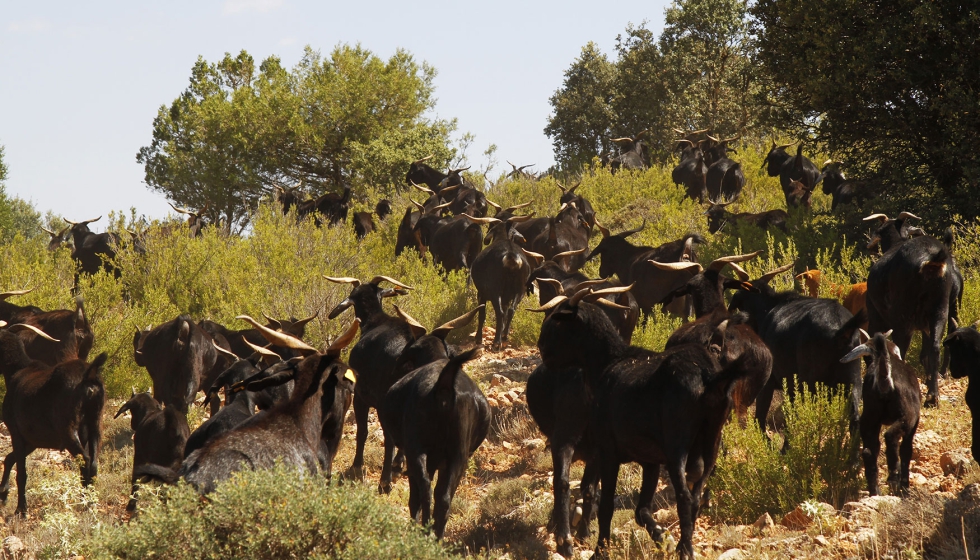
(583, 116)
(235, 132)
(889, 87)
(699, 74)
(16, 214)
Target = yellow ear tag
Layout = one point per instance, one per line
(349, 374)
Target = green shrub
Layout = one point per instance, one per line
(266, 514)
(753, 476)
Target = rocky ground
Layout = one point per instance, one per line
(502, 508)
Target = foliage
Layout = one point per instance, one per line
(579, 128)
(899, 113)
(700, 74)
(16, 215)
(753, 476)
(234, 133)
(266, 514)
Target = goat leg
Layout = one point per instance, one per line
(22, 484)
(893, 437)
(644, 506)
(561, 458)
(481, 318)
(361, 410)
(869, 438)
(590, 488)
(610, 475)
(445, 488)
(384, 485)
(905, 455)
(685, 507)
(8, 464)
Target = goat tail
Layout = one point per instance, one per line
(157, 472)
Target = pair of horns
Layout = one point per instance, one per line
(586, 294)
(426, 158)
(605, 231)
(82, 223)
(188, 212)
(419, 330)
(376, 280)
(884, 218)
(6, 295)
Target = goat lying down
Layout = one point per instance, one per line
(288, 433)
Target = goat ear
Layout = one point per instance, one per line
(185, 331)
(717, 344)
(447, 378)
(80, 321)
(92, 373)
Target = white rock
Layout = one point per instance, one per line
(13, 547)
(731, 554)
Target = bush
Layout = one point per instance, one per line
(753, 476)
(266, 514)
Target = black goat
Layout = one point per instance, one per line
(789, 168)
(725, 178)
(49, 407)
(963, 346)
(841, 189)
(195, 220)
(373, 358)
(13, 313)
(569, 196)
(439, 417)
(910, 288)
(58, 238)
(807, 337)
(407, 237)
(757, 359)
(891, 233)
(718, 218)
(656, 409)
(180, 358)
(707, 287)
(634, 265)
(455, 243)
(93, 251)
(691, 171)
(71, 329)
(500, 273)
(364, 221)
(159, 435)
(567, 233)
(287, 434)
(891, 398)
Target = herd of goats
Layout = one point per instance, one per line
(595, 397)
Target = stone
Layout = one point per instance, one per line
(956, 462)
(507, 445)
(804, 515)
(821, 540)
(924, 441)
(13, 547)
(764, 523)
(731, 554)
(492, 402)
(513, 396)
(917, 479)
(497, 380)
(970, 493)
(534, 444)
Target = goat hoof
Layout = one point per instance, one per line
(384, 488)
(932, 401)
(656, 533)
(565, 548)
(131, 506)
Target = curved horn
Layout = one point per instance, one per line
(277, 338)
(618, 140)
(273, 321)
(684, 141)
(857, 352)
(6, 295)
(614, 290)
(426, 158)
(343, 280)
(712, 138)
(458, 322)
(555, 301)
(630, 232)
(579, 296)
(554, 283)
(37, 331)
(494, 204)
(784, 146)
(262, 350)
(881, 217)
(423, 189)
(767, 277)
(677, 266)
(49, 232)
(602, 229)
(568, 253)
(517, 207)
(607, 303)
(718, 264)
(221, 350)
(378, 279)
(538, 257)
(562, 187)
(344, 339)
(181, 210)
(485, 221)
(907, 215)
(412, 322)
(732, 139)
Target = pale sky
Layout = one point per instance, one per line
(80, 82)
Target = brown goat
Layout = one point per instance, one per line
(852, 296)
